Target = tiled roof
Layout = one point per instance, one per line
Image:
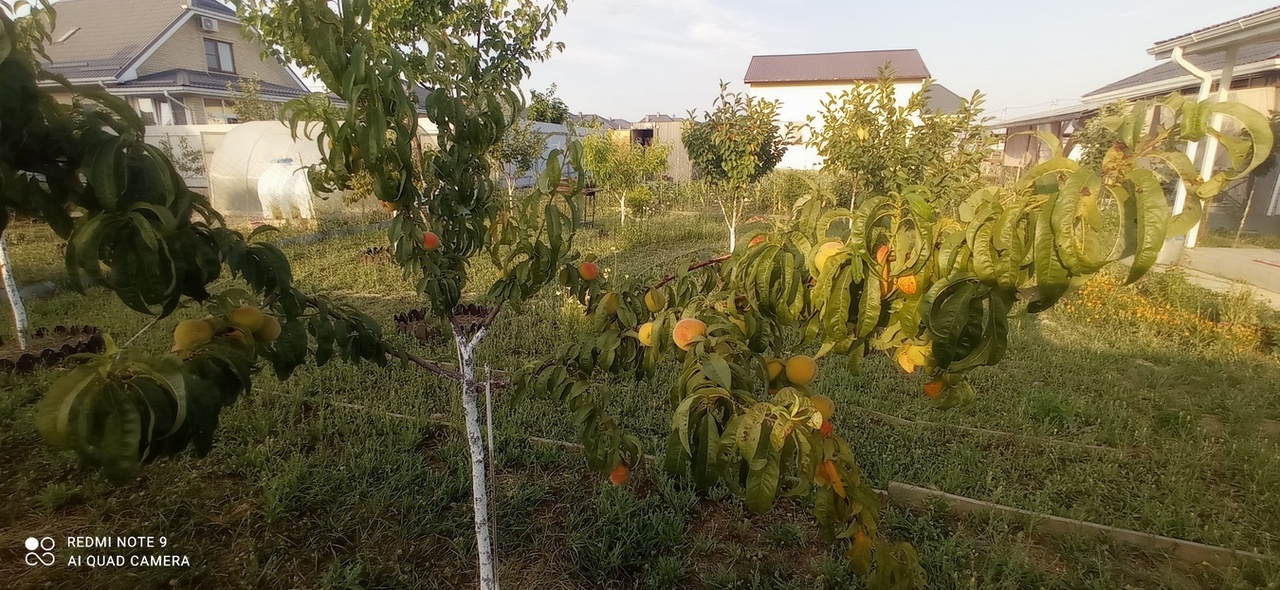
(204, 81)
(213, 6)
(835, 67)
(106, 35)
(1206, 61)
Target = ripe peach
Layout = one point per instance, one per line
(775, 368)
(248, 318)
(645, 334)
(191, 333)
(801, 369)
(686, 331)
(430, 240)
(269, 331)
(620, 474)
(589, 271)
(823, 405)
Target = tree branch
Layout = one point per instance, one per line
(694, 266)
(500, 381)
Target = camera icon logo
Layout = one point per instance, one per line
(40, 551)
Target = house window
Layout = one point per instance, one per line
(217, 55)
(146, 110)
(218, 111)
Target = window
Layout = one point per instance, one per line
(217, 111)
(217, 55)
(147, 110)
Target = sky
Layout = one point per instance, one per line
(630, 58)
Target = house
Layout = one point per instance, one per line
(171, 59)
(801, 82)
(1245, 50)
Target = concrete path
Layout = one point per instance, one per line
(1218, 268)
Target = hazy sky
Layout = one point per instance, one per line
(629, 58)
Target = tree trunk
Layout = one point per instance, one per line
(11, 289)
(622, 210)
(475, 444)
(1244, 217)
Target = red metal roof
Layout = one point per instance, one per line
(835, 67)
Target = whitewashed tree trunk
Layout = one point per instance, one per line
(622, 210)
(11, 290)
(729, 220)
(475, 444)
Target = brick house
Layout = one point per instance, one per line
(171, 59)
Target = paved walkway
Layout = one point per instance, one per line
(1219, 268)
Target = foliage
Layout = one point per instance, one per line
(547, 107)
(620, 166)
(889, 277)
(472, 105)
(247, 102)
(732, 147)
(141, 233)
(780, 190)
(617, 165)
(519, 151)
(887, 146)
(187, 159)
(737, 142)
(1096, 138)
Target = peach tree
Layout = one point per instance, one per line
(742, 332)
(735, 144)
(134, 227)
(882, 145)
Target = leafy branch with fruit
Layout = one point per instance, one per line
(741, 335)
(889, 277)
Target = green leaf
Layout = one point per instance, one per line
(762, 479)
(1152, 218)
(1259, 129)
(836, 313)
(56, 410)
(718, 370)
(869, 306)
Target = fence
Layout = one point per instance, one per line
(190, 147)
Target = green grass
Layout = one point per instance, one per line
(1227, 239)
(302, 492)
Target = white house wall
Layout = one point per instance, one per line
(802, 101)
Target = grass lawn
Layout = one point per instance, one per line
(305, 490)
